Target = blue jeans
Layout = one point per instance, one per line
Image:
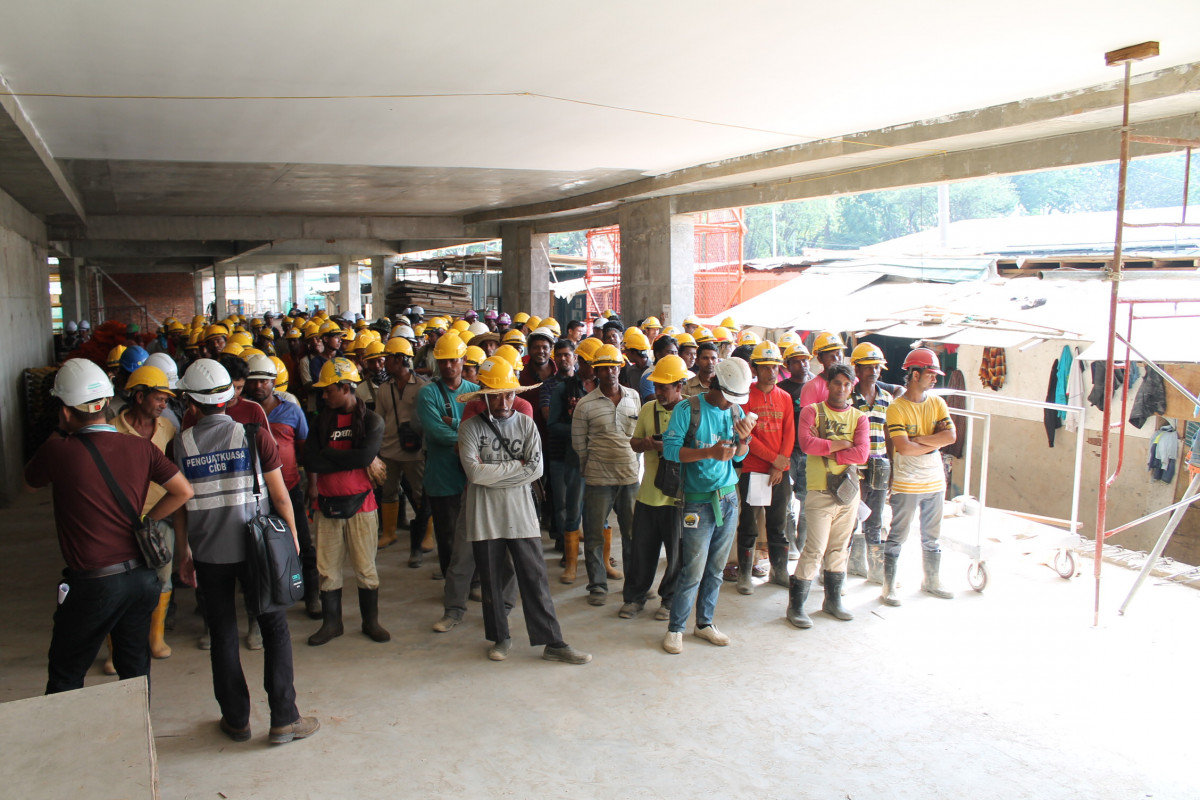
(907, 506)
(566, 487)
(598, 501)
(703, 551)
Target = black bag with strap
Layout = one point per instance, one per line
(274, 564)
(152, 536)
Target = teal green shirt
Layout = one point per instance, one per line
(710, 474)
(444, 475)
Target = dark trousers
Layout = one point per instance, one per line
(219, 583)
(420, 521)
(654, 527)
(540, 620)
(598, 502)
(94, 608)
(781, 495)
(308, 553)
(445, 515)
(872, 527)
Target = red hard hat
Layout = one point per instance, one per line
(923, 358)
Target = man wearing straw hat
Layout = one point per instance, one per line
(501, 454)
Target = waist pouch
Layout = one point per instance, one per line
(844, 487)
(879, 474)
(342, 506)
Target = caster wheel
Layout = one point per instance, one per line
(977, 575)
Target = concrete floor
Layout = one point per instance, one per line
(1007, 694)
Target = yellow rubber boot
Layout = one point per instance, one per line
(389, 513)
(158, 619)
(609, 569)
(108, 667)
(571, 554)
(427, 544)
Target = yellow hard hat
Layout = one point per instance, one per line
(256, 323)
(867, 353)
(587, 348)
(684, 340)
(249, 353)
(475, 356)
(827, 341)
(311, 330)
(747, 337)
(533, 322)
(669, 369)
(213, 331)
(175, 326)
(398, 345)
(461, 325)
(508, 353)
(240, 337)
(448, 347)
(728, 322)
(239, 328)
(266, 333)
(608, 356)
(193, 341)
(281, 373)
(497, 374)
(360, 324)
(797, 350)
(338, 370)
(609, 313)
(232, 349)
(767, 353)
(651, 322)
(293, 333)
(466, 336)
(148, 377)
(349, 335)
(114, 356)
(552, 324)
(520, 318)
(331, 329)
(788, 339)
(703, 335)
(722, 334)
(635, 340)
(691, 319)
(514, 337)
(371, 350)
(198, 321)
(670, 330)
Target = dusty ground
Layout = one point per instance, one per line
(1007, 694)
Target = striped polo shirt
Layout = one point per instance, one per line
(876, 417)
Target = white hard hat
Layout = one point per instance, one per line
(207, 382)
(71, 326)
(85, 325)
(477, 328)
(404, 331)
(262, 367)
(167, 365)
(82, 385)
(734, 376)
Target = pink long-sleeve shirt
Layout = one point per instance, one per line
(837, 426)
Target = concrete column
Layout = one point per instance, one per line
(525, 263)
(657, 262)
(279, 291)
(381, 279)
(69, 279)
(222, 304)
(350, 296)
(198, 292)
(258, 294)
(297, 277)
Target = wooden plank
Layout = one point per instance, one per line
(1178, 406)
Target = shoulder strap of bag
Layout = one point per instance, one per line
(251, 432)
(449, 409)
(508, 448)
(121, 499)
(821, 429)
(657, 429)
(689, 439)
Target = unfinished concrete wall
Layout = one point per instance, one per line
(167, 294)
(25, 313)
(1026, 474)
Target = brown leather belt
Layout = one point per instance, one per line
(104, 572)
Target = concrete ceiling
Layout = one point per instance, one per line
(488, 112)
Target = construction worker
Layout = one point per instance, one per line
(770, 455)
(215, 338)
(440, 416)
(402, 448)
(471, 361)
(652, 328)
(210, 548)
(289, 426)
(501, 455)
(374, 372)
(566, 480)
(637, 353)
(918, 425)
(661, 347)
(828, 349)
(106, 590)
(704, 438)
(691, 324)
(834, 435)
(516, 340)
(795, 359)
(707, 359)
(601, 428)
(655, 517)
(869, 397)
(686, 344)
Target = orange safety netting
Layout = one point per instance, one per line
(718, 264)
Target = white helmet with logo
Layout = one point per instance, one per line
(82, 385)
(262, 368)
(207, 382)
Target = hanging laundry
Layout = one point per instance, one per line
(1098, 397)
(1065, 361)
(993, 368)
(956, 380)
(1075, 395)
(1050, 416)
(1151, 399)
(1164, 450)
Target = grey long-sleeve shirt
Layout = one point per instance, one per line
(499, 504)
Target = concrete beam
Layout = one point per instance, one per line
(350, 290)
(274, 228)
(28, 172)
(112, 249)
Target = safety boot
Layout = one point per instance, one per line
(368, 607)
(779, 565)
(832, 604)
(571, 556)
(745, 580)
(158, 620)
(889, 596)
(609, 568)
(857, 566)
(875, 564)
(331, 618)
(388, 514)
(932, 584)
(797, 596)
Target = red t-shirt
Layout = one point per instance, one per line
(93, 531)
(245, 412)
(349, 481)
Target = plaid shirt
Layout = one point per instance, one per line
(876, 417)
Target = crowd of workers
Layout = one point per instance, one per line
(490, 429)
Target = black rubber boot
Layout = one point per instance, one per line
(779, 565)
(797, 596)
(331, 624)
(889, 596)
(833, 597)
(745, 584)
(368, 607)
(875, 564)
(857, 566)
(932, 583)
(312, 593)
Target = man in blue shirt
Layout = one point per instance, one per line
(710, 501)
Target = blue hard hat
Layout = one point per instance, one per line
(133, 357)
